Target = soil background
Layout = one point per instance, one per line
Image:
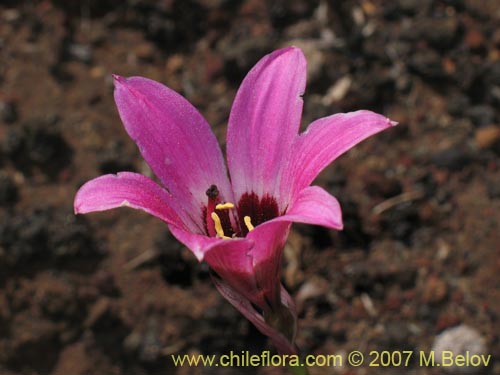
(114, 293)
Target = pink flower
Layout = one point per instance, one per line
(237, 224)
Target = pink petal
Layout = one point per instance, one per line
(230, 259)
(264, 121)
(250, 265)
(328, 138)
(233, 264)
(197, 243)
(315, 206)
(174, 139)
(270, 238)
(127, 190)
(282, 344)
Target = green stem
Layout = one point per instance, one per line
(298, 370)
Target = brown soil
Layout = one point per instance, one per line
(114, 293)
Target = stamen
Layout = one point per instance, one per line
(248, 223)
(224, 206)
(218, 226)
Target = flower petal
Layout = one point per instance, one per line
(250, 265)
(232, 263)
(325, 140)
(174, 139)
(197, 243)
(282, 344)
(127, 189)
(270, 238)
(315, 206)
(228, 258)
(264, 121)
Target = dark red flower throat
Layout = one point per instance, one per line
(221, 220)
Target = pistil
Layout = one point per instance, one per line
(213, 195)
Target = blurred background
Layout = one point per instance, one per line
(418, 263)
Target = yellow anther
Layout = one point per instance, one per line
(218, 226)
(248, 223)
(224, 206)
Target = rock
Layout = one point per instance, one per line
(175, 268)
(239, 59)
(80, 53)
(401, 220)
(487, 136)
(337, 91)
(474, 39)
(312, 289)
(24, 238)
(408, 6)
(11, 15)
(377, 184)
(439, 32)
(396, 336)
(301, 30)
(145, 51)
(35, 342)
(57, 299)
(8, 111)
(70, 237)
(460, 340)
(493, 73)
(427, 63)
(481, 115)
(286, 12)
(493, 187)
(8, 190)
(115, 159)
(457, 104)
(105, 283)
(482, 8)
(454, 158)
(37, 144)
(40, 235)
(435, 290)
(151, 345)
(100, 315)
(12, 143)
(74, 359)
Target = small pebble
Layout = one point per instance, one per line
(428, 64)
(474, 39)
(439, 32)
(481, 115)
(98, 313)
(145, 51)
(81, 53)
(454, 158)
(435, 290)
(460, 340)
(493, 187)
(8, 112)
(487, 136)
(8, 190)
